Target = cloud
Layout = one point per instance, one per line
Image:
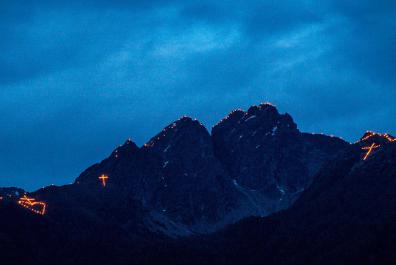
(77, 78)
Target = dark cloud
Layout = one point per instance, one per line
(79, 77)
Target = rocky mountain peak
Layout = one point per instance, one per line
(193, 189)
(184, 132)
(263, 150)
(371, 142)
(264, 117)
(128, 148)
(373, 137)
(263, 108)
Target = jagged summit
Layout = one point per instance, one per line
(128, 147)
(371, 136)
(263, 107)
(183, 129)
(371, 142)
(235, 115)
(193, 190)
(263, 150)
(264, 117)
(129, 142)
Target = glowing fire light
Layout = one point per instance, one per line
(31, 204)
(370, 150)
(372, 134)
(103, 178)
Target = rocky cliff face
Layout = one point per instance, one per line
(177, 178)
(194, 189)
(346, 216)
(265, 153)
(254, 163)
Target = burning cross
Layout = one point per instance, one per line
(30, 203)
(27, 200)
(370, 150)
(104, 178)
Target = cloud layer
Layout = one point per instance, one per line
(76, 79)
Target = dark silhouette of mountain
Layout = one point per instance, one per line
(265, 152)
(176, 178)
(11, 193)
(166, 196)
(187, 181)
(347, 216)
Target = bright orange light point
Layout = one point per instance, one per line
(104, 178)
(370, 150)
(372, 134)
(30, 203)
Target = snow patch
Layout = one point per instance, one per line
(165, 164)
(167, 148)
(280, 189)
(159, 222)
(251, 117)
(251, 196)
(274, 130)
(235, 182)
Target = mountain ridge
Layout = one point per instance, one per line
(188, 184)
(195, 197)
(347, 216)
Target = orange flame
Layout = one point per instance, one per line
(370, 150)
(30, 203)
(372, 134)
(104, 178)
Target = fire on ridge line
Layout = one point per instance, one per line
(373, 146)
(31, 204)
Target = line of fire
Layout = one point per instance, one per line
(369, 149)
(37, 207)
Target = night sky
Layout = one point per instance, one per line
(76, 80)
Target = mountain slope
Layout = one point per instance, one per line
(194, 190)
(265, 152)
(177, 178)
(190, 182)
(183, 182)
(347, 216)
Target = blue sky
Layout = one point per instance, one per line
(77, 79)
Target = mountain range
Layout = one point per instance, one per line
(254, 190)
